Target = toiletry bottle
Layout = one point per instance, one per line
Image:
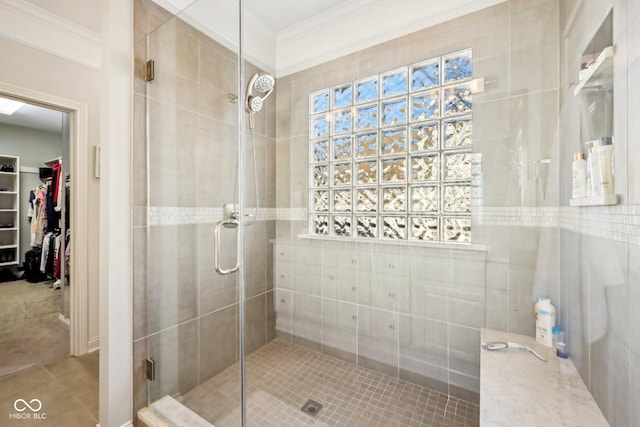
(579, 170)
(594, 171)
(559, 342)
(589, 186)
(545, 314)
(604, 153)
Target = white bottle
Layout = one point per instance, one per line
(604, 153)
(594, 173)
(579, 170)
(545, 321)
(589, 185)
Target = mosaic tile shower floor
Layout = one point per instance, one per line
(281, 377)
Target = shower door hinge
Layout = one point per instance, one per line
(150, 368)
(149, 70)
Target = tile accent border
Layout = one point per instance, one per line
(162, 216)
(620, 223)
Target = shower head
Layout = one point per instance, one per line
(261, 83)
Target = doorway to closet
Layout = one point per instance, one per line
(35, 234)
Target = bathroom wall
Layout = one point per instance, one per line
(185, 314)
(416, 312)
(600, 253)
(60, 74)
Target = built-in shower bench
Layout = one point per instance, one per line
(518, 389)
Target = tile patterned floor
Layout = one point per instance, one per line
(66, 388)
(281, 377)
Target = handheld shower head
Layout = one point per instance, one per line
(262, 83)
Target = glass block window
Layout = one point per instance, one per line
(390, 154)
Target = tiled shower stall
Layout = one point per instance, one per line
(412, 311)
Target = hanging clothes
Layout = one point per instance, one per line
(38, 218)
(57, 258)
(46, 203)
(45, 251)
(56, 181)
(53, 215)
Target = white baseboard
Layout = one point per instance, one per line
(93, 344)
(65, 322)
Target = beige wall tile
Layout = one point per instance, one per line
(256, 325)
(218, 341)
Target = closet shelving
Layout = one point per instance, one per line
(9, 210)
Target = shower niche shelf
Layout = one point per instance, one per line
(609, 199)
(600, 74)
(594, 92)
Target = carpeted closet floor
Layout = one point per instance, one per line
(30, 332)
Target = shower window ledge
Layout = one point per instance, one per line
(434, 245)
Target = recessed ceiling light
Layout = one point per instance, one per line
(9, 106)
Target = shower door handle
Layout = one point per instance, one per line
(216, 245)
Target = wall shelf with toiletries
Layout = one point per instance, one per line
(593, 182)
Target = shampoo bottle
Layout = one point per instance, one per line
(545, 321)
(594, 172)
(604, 153)
(579, 183)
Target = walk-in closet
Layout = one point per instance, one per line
(35, 236)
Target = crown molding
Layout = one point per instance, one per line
(220, 20)
(359, 24)
(33, 26)
(344, 29)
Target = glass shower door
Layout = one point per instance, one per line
(187, 316)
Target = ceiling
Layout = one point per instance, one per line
(281, 14)
(35, 117)
(276, 14)
(284, 36)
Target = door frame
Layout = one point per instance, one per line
(79, 169)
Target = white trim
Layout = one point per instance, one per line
(79, 220)
(28, 169)
(33, 26)
(218, 19)
(65, 322)
(116, 231)
(93, 344)
(356, 25)
(347, 28)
